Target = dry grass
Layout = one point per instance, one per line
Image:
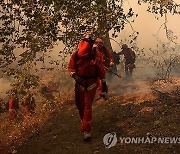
(133, 103)
(14, 132)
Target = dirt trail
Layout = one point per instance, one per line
(132, 110)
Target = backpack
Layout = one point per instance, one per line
(82, 61)
(129, 55)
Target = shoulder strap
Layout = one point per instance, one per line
(77, 57)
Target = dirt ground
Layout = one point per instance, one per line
(135, 109)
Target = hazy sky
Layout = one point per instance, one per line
(147, 25)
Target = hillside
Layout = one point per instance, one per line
(135, 109)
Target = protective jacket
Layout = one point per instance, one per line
(86, 64)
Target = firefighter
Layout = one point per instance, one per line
(116, 58)
(13, 106)
(130, 57)
(108, 63)
(29, 104)
(86, 67)
(52, 87)
(47, 92)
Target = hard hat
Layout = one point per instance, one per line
(99, 40)
(88, 36)
(124, 46)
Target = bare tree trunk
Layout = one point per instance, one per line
(102, 23)
(107, 42)
(104, 31)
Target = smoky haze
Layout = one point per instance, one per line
(146, 24)
(151, 32)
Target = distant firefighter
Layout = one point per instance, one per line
(106, 55)
(29, 105)
(130, 58)
(116, 57)
(52, 87)
(47, 91)
(13, 106)
(108, 61)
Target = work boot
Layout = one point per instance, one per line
(105, 96)
(87, 136)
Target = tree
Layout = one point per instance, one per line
(36, 25)
(164, 59)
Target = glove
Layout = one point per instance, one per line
(105, 96)
(110, 69)
(104, 87)
(78, 79)
(111, 64)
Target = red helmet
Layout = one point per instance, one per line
(99, 40)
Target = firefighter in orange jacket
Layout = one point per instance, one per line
(13, 106)
(108, 63)
(86, 67)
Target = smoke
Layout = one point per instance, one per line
(4, 86)
(146, 24)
